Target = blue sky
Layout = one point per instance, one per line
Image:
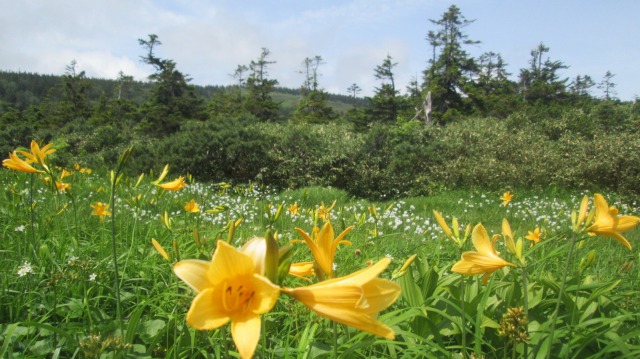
(208, 39)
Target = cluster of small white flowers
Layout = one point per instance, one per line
(25, 269)
(20, 228)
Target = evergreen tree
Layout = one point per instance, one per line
(449, 75)
(541, 82)
(173, 100)
(608, 86)
(354, 90)
(385, 102)
(581, 85)
(259, 86)
(494, 93)
(314, 105)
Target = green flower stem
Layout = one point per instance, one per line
(463, 321)
(115, 253)
(560, 293)
(32, 217)
(478, 326)
(525, 304)
(334, 326)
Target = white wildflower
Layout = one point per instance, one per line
(25, 269)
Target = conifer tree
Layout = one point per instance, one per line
(259, 87)
(385, 102)
(450, 73)
(314, 105)
(541, 81)
(173, 100)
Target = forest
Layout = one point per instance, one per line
(466, 123)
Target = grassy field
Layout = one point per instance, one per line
(79, 285)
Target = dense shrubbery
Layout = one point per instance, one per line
(570, 149)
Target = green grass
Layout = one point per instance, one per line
(57, 293)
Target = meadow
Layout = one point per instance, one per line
(88, 257)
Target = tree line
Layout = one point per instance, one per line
(95, 118)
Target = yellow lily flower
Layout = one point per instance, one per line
(484, 260)
(506, 198)
(229, 290)
(174, 185)
(534, 236)
(192, 207)
(61, 186)
(354, 300)
(302, 270)
(324, 211)
(323, 246)
(100, 209)
(294, 209)
(608, 223)
(16, 163)
(38, 154)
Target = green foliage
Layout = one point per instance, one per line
(314, 108)
(306, 155)
(63, 302)
(226, 149)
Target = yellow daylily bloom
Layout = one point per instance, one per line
(174, 185)
(302, 270)
(16, 163)
(323, 246)
(324, 211)
(61, 186)
(506, 198)
(192, 207)
(65, 173)
(41, 153)
(354, 300)
(534, 236)
(294, 209)
(484, 260)
(100, 209)
(228, 290)
(608, 223)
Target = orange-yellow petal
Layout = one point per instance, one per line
(481, 241)
(195, 273)
(227, 262)
(207, 310)
(246, 334)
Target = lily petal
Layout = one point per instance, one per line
(194, 272)
(227, 262)
(246, 334)
(206, 311)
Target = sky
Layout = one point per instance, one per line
(209, 39)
